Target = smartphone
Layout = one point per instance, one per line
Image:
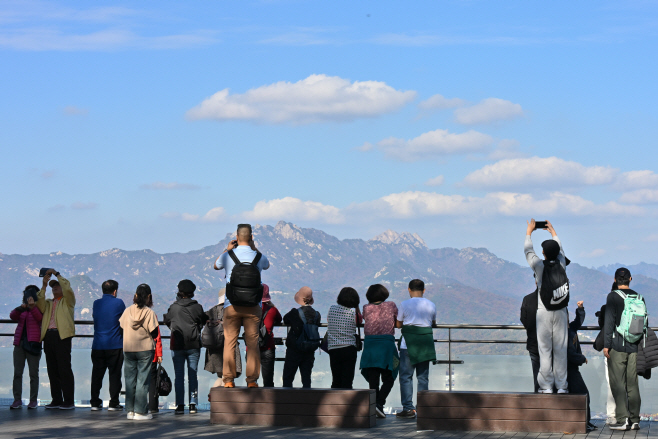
(43, 272)
(540, 225)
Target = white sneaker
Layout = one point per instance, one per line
(545, 390)
(562, 391)
(131, 415)
(611, 421)
(635, 426)
(139, 417)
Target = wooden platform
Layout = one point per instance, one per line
(293, 407)
(492, 411)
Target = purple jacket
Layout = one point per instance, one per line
(30, 317)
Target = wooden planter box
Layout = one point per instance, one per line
(292, 407)
(493, 411)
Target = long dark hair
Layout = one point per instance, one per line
(143, 296)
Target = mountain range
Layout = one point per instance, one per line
(469, 285)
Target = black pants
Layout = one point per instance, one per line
(534, 358)
(111, 360)
(298, 360)
(58, 362)
(153, 399)
(577, 385)
(374, 374)
(342, 362)
(267, 367)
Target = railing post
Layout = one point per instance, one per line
(449, 360)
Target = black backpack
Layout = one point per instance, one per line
(554, 292)
(162, 382)
(263, 335)
(213, 333)
(244, 287)
(309, 340)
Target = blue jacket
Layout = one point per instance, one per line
(107, 331)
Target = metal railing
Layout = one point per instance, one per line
(448, 340)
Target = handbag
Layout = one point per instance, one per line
(357, 337)
(162, 382)
(324, 344)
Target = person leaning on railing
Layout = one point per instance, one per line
(342, 321)
(57, 330)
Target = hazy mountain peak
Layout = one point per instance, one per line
(393, 237)
(481, 254)
(112, 251)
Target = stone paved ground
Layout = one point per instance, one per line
(83, 423)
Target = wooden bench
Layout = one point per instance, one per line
(493, 411)
(292, 407)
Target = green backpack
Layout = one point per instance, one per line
(633, 324)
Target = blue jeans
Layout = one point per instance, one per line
(137, 370)
(192, 358)
(407, 379)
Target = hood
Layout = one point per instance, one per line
(138, 315)
(186, 302)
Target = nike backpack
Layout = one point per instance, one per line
(554, 292)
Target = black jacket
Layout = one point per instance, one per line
(185, 318)
(647, 354)
(575, 355)
(529, 320)
(614, 307)
(296, 325)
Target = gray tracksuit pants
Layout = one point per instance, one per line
(552, 338)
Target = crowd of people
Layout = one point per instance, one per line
(129, 339)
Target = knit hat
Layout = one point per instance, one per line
(266, 294)
(222, 296)
(186, 287)
(304, 296)
(551, 249)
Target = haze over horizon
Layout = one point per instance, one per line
(162, 125)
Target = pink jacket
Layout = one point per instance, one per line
(30, 317)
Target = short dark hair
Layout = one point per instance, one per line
(110, 286)
(417, 285)
(143, 296)
(348, 297)
(244, 231)
(377, 293)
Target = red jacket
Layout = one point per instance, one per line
(272, 318)
(158, 346)
(30, 317)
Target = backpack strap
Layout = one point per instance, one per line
(621, 294)
(301, 315)
(257, 258)
(235, 258)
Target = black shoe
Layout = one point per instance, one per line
(53, 405)
(153, 411)
(592, 426)
(180, 410)
(406, 414)
(115, 408)
(379, 412)
(95, 408)
(623, 426)
(192, 408)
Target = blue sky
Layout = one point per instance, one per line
(163, 124)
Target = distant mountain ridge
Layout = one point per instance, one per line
(470, 285)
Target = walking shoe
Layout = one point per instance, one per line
(96, 408)
(180, 409)
(545, 390)
(192, 408)
(592, 426)
(379, 412)
(562, 391)
(406, 414)
(611, 421)
(33, 404)
(115, 408)
(252, 385)
(131, 416)
(624, 426)
(231, 384)
(17, 404)
(635, 426)
(53, 405)
(138, 417)
(67, 406)
(154, 411)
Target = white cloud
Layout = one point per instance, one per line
(290, 208)
(159, 185)
(72, 110)
(488, 110)
(438, 102)
(540, 173)
(434, 144)
(318, 98)
(637, 180)
(436, 181)
(640, 196)
(652, 238)
(597, 252)
(214, 215)
(84, 206)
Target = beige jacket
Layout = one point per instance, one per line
(63, 312)
(137, 324)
